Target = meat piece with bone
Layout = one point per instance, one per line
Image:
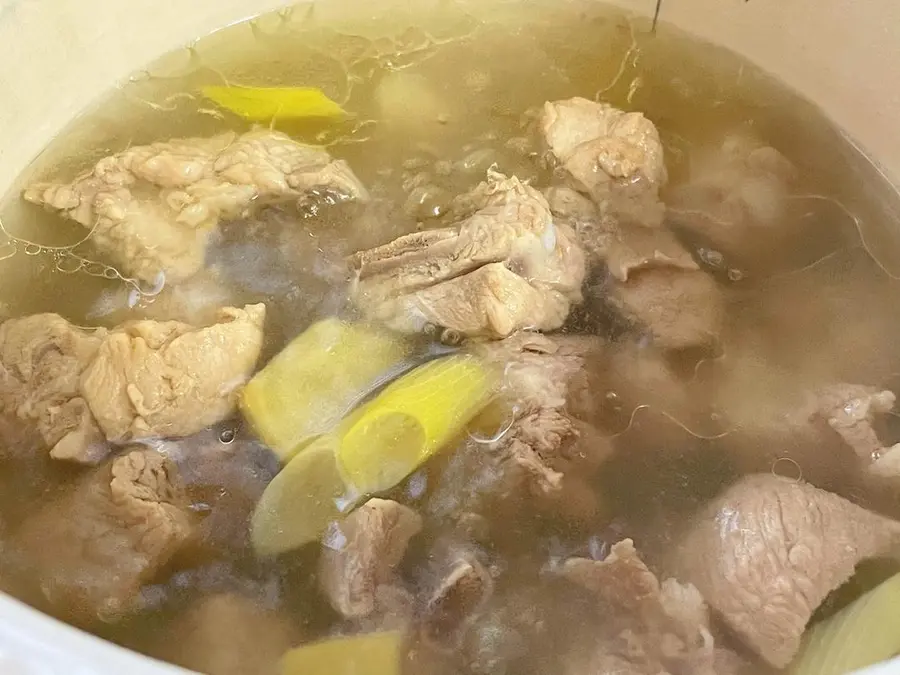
(542, 457)
(504, 268)
(359, 576)
(458, 587)
(151, 209)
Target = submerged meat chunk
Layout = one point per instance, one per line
(225, 473)
(636, 248)
(228, 634)
(850, 411)
(735, 197)
(650, 628)
(151, 209)
(42, 358)
(504, 268)
(94, 547)
(643, 392)
(677, 308)
(828, 430)
(767, 552)
(622, 246)
(654, 284)
(545, 452)
(614, 157)
(652, 281)
(168, 378)
(360, 554)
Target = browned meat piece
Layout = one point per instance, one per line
(462, 588)
(614, 157)
(735, 198)
(154, 378)
(42, 358)
(545, 452)
(360, 554)
(678, 308)
(504, 268)
(649, 628)
(151, 209)
(94, 547)
(227, 634)
(768, 551)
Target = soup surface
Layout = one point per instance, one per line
(527, 337)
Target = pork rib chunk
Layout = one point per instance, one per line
(612, 156)
(360, 554)
(79, 388)
(42, 358)
(504, 268)
(153, 378)
(546, 453)
(652, 282)
(152, 208)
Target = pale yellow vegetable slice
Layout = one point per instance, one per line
(301, 501)
(313, 382)
(414, 417)
(369, 654)
(865, 632)
(262, 104)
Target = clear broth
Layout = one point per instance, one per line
(486, 67)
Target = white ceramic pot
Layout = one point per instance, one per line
(57, 56)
